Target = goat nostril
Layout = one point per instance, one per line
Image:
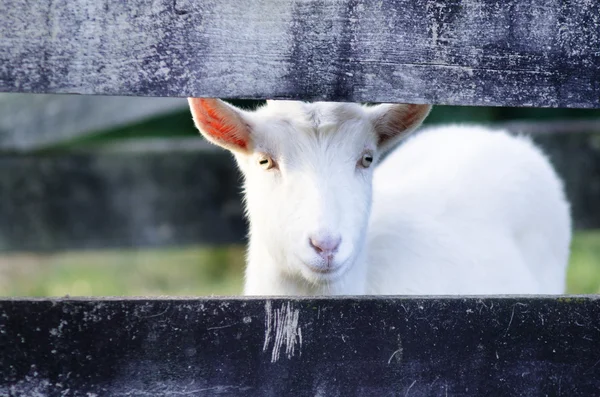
(325, 246)
(315, 245)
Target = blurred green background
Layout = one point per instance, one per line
(201, 270)
(191, 271)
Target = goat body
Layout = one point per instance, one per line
(451, 210)
(466, 210)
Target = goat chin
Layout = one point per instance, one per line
(448, 210)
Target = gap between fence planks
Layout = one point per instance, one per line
(29, 122)
(157, 193)
(132, 196)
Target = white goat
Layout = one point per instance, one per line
(454, 210)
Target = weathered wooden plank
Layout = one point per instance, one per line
(488, 346)
(34, 121)
(477, 52)
(174, 192)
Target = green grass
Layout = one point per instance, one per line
(191, 271)
(184, 272)
(584, 267)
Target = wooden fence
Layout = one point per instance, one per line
(470, 52)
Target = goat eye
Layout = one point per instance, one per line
(266, 162)
(366, 160)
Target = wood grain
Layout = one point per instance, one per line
(385, 346)
(540, 53)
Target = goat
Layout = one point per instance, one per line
(453, 210)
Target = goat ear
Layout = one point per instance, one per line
(394, 121)
(221, 123)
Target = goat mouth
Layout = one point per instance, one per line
(329, 271)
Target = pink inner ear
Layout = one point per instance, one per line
(215, 123)
(411, 115)
(403, 118)
(398, 121)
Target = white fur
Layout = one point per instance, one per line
(452, 210)
(465, 210)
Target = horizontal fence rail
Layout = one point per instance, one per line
(491, 346)
(479, 52)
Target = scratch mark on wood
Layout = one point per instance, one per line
(158, 314)
(281, 327)
(150, 392)
(510, 322)
(410, 387)
(268, 312)
(512, 315)
(593, 366)
(221, 327)
(482, 304)
(393, 354)
(398, 352)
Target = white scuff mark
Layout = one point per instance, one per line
(166, 390)
(482, 305)
(158, 314)
(410, 387)
(281, 328)
(267, 325)
(220, 327)
(393, 354)
(397, 353)
(510, 322)
(512, 315)
(61, 325)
